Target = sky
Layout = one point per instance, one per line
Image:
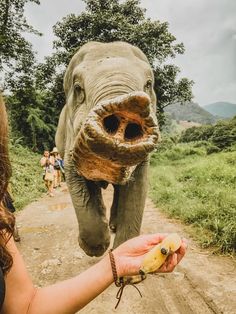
(206, 27)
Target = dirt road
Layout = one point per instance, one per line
(202, 283)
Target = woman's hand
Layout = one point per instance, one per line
(129, 255)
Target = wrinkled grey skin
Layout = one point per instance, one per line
(114, 80)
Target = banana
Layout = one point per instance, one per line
(155, 258)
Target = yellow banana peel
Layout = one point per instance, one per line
(156, 257)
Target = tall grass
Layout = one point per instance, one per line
(200, 190)
(26, 182)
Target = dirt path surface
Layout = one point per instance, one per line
(202, 283)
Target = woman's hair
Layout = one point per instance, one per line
(7, 220)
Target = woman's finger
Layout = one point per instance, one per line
(182, 250)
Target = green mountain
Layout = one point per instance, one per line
(222, 109)
(190, 112)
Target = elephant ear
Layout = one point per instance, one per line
(64, 133)
(61, 132)
(64, 127)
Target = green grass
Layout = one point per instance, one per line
(200, 190)
(26, 182)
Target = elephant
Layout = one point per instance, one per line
(106, 132)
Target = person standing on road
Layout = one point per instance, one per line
(47, 162)
(17, 292)
(57, 167)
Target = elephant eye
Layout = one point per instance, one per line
(79, 92)
(148, 85)
(77, 88)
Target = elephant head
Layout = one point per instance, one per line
(106, 131)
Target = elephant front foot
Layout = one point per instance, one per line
(97, 246)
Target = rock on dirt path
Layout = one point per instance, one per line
(201, 284)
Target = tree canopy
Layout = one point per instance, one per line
(13, 46)
(222, 135)
(28, 114)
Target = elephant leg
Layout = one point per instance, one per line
(94, 235)
(113, 212)
(131, 202)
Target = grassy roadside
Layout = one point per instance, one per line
(26, 182)
(200, 190)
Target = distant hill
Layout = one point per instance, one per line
(222, 109)
(190, 112)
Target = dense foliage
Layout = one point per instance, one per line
(14, 48)
(28, 113)
(221, 135)
(32, 105)
(27, 184)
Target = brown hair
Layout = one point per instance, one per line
(6, 218)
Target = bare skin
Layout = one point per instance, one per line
(71, 295)
(45, 161)
(202, 282)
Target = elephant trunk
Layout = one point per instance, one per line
(117, 135)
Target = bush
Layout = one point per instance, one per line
(201, 144)
(224, 135)
(221, 135)
(165, 143)
(26, 182)
(201, 133)
(177, 152)
(212, 149)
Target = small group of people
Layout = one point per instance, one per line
(17, 292)
(53, 167)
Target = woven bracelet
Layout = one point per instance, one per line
(119, 281)
(114, 271)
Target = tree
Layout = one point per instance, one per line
(222, 135)
(50, 78)
(37, 125)
(13, 45)
(30, 111)
(169, 90)
(110, 20)
(30, 114)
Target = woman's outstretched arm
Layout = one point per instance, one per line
(69, 296)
